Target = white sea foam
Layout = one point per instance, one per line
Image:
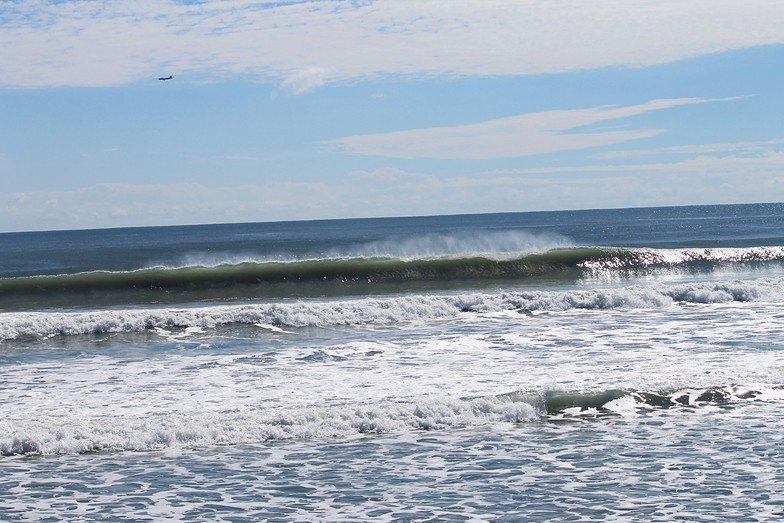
(181, 387)
(54, 435)
(382, 311)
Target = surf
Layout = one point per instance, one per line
(51, 435)
(391, 310)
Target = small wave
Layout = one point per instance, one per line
(379, 311)
(77, 436)
(57, 436)
(620, 401)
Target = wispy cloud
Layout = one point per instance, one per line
(710, 148)
(115, 205)
(389, 174)
(302, 44)
(514, 136)
(762, 168)
(243, 158)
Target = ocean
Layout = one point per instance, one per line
(619, 365)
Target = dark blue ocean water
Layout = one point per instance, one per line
(611, 364)
(133, 248)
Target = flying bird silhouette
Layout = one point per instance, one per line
(165, 77)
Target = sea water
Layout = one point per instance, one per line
(618, 365)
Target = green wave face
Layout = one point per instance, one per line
(276, 279)
(353, 275)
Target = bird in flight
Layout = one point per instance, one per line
(165, 77)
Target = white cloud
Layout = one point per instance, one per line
(306, 80)
(514, 136)
(303, 44)
(392, 192)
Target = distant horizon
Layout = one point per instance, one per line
(419, 216)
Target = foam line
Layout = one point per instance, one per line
(381, 311)
(55, 435)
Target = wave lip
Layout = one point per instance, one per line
(608, 259)
(491, 244)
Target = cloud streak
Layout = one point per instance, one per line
(514, 136)
(301, 45)
(712, 148)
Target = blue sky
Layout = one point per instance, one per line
(331, 109)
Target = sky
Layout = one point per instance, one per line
(316, 109)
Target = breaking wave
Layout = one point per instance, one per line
(380, 311)
(56, 436)
(337, 276)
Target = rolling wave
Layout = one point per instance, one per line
(625, 401)
(83, 434)
(333, 275)
(378, 311)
